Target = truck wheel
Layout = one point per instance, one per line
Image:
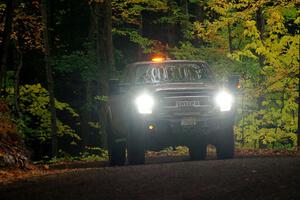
(116, 149)
(136, 145)
(197, 149)
(225, 144)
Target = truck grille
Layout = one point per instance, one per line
(184, 103)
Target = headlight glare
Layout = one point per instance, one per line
(224, 100)
(144, 104)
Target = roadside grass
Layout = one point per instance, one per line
(239, 152)
(95, 154)
(89, 154)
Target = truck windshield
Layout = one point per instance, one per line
(171, 72)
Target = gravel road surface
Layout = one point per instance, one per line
(248, 178)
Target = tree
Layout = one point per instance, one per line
(6, 41)
(47, 52)
(26, 36)
(104, 52)
(262, 41)
(129, 18)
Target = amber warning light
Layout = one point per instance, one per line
(158, 59)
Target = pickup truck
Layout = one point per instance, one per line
(162, 103)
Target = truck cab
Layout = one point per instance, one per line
(164, 103)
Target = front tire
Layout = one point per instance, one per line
(116, 149)
(197, 149)
(225, 144)
(136, 145)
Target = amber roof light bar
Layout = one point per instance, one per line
(158, 59)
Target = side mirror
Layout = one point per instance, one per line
(114, 86)
(234, 82)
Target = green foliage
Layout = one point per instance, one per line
(226, 36)
(82, 63)
(88, 154)
(146, 44)
(101, 98)
(177, 15)
(94, 154)
(179, 150)
(95, 125)
(217, 58)
(129, 11)
(186, 51)
(268, 111)
(35, 122)
(27, 25)
(129, 14)
(277, 119)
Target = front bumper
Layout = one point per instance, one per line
(192, 124)
(163, 132)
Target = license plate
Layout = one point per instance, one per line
(188, 122)
(188, 103)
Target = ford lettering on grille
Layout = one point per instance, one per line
(188, 103)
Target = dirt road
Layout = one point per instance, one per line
(248, 178)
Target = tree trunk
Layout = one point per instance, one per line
(109, 64)
(260, 23)
(140, 50)
(17, 79)
(86, 115)
(181, 26)
(108, 37)
(104, 51)
(6, 42)
(230, 38)
(298, 132)
(197, 10)
(172, 28)
(47, 50)
(105, 55)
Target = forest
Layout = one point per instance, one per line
(57, 57)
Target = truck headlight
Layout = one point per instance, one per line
(144, 103)
(224, 100)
